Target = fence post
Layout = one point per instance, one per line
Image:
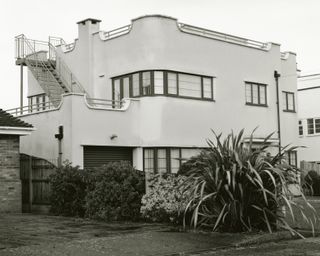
(30, 184)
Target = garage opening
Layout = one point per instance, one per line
(95, 156)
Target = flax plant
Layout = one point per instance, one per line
(236, 187)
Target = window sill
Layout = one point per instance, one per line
(312, 135)
(289, 111)
(256, 105)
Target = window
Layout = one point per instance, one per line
(146, 83)
(256, 94)
(288, 101)
(292, 157)
(162, 82)
(167, 160)
(172, 83)
(135, 85)
(158, 82)
(313, 126)
(189, 85)
(300, 128)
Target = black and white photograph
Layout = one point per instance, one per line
(159, 127)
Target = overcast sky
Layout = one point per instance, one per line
(292, 23)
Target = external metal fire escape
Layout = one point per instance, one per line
(51, 72)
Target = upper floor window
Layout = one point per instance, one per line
(256, 94)
(300, 128)
(288, 101)
(313, 126)
(161, 82)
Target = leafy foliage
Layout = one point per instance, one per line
(312, 183)
(115, 192)
(68, 191)
(164, 200)
(236, 187)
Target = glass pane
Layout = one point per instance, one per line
(126, 87)
(189, 86)
(158, 82)
(207, 88)
(135, 85)
(317, 125)
(292, 158)
(300, 128)
(175, 160)
(172, 83)
(310, 126)
(146, 83)
(149, 160)
(186, 153)
(255, 94)
(284, 101)
(248, 93)
(262, 89)
(290, 101)
(162, 160)
(116, 92)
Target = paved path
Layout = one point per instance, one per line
(49, 235)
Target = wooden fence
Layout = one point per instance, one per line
(309, 166)
(34, 175)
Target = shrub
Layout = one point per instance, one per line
(312, 182)
(164, 200)
(237, 188)
(115, 192)
(68, 191)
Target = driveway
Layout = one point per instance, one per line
(26, 234)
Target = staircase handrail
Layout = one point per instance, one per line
(62, 69)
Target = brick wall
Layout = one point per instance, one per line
(10, 184)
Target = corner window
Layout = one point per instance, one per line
(300, 128)
(313, 126)
(288, 101)
(162, 82)
(256, 94)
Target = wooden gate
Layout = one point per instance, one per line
(34, 175)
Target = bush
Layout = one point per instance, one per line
(312, 182)
(68, 191)
(237, 188)
(164, 200)
(115, 192)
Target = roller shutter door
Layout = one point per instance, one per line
(95, 156)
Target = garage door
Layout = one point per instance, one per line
(95, 156)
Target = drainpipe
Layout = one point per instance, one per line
(59, 136)
(276, 77)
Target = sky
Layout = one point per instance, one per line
(292, 23)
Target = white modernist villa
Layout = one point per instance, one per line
(309, 117)
(151, 92)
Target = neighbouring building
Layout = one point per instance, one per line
(11, 128)
(150, 92)
(309, 117)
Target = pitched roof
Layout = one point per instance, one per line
(10, 121)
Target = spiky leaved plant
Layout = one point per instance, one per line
(235, 187)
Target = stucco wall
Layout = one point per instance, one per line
(157, 43)
(308, 108)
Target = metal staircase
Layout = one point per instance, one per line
(47, 67)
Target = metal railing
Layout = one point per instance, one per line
(221, 36)
(35, 55)
(105, 35)
(34, 108)
(106, 104)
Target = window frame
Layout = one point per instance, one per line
(315, 133)
(168, 157)
(286, 93)
(288, 153)
(300, 126)
(165, 84)
(259, 85)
